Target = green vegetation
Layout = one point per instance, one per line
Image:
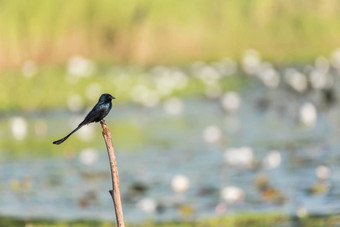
(126, 40)
(148, 32)
(254, 220)
(52, 86)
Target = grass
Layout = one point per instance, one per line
(137, 31)
(254, 220)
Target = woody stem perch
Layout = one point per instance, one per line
(115, 192)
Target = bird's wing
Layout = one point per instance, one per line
(93, 115)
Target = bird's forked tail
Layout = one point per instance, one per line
(65, 138)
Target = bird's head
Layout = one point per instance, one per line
(106, 97)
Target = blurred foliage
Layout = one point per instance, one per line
(52, 86)
(230, 221)
(148, 32)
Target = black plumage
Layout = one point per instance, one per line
(99, 111)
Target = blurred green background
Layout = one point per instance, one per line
(146, 33)
(57, 57)
(151, 32)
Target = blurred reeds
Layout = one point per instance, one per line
(148, 32)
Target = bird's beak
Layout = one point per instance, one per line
(113, 97)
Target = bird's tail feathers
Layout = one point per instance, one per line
(57, 142)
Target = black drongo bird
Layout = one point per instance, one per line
(99, 111)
